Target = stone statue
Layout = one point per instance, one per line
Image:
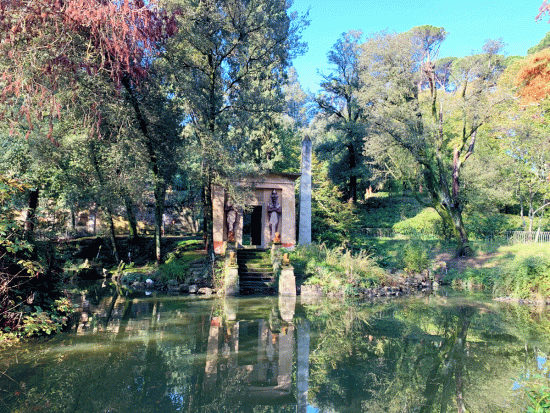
(231, 218)
(274, 211)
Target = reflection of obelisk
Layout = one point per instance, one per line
(302, 367)
(304, 234)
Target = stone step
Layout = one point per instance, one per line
(254, 275)
(253, 268)
(255, 272)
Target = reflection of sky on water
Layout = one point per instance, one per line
(541, 365)
(311, 409)
(541, 361)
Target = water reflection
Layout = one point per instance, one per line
(168, 354)
(251, 360)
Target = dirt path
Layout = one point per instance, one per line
(481, 260)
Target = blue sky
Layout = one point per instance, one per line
(469, 23)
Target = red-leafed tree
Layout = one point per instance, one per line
(533, 78)
(47, 45)
(69, 57)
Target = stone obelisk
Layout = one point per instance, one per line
(304, 234)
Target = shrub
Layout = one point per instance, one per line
(426, 223)
(525, 277)
(480, 225)
(474, 278)
(415, 257)
(337, 269)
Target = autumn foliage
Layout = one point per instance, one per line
(46, 43)
(533, 78)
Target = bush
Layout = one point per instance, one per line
(525, 277)
(480, 225)
(337, 269)
(415, 257)
(474, 278)
(425, 224)
(333, 221)
(30, 301)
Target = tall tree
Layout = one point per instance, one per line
(346, 117)
(420, 124)
(229, 60)
(47, 45)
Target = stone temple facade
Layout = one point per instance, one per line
(269, 214)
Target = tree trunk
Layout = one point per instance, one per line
(160, 195)
(132, 221)
(73, 219)
(31, 212)
(448, 208)
(208, 221)
(160, 183)
(353, 176)
(112, 234)
(459, 231)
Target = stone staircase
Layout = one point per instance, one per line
(255, 272)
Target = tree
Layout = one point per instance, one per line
(47, 45)
(424, 132)
(345, 116)
(229, 61)
(53, 51)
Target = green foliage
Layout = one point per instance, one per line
(480, 225)
(47, 321)
(537, 389)
(539, 400)
(415, 257)
(383, 211)
(543, 44)
(179, 259)
(336, 269)
(525, 277)
(333, 221)
(29, 302)
(426, 223)
(474, 278)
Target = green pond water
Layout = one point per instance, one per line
(435, 353)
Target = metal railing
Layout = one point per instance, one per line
(510, 237)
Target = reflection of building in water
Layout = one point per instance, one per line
(249, 357)
(251, 360)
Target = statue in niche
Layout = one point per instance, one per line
(231, 219)
(274, 211)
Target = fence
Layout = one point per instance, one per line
(526, 237)
(510, 237)
(391, 233)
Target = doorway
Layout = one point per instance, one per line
(252, 227)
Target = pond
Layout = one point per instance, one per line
(435, 353)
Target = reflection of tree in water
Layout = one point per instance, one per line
(404, 356)
(414, 357)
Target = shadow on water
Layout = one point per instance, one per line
(184, 354)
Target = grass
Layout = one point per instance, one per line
(383, 211)
(520, 271)
(337, 269)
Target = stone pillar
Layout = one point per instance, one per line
(287, 281)
(304, 234)
(218, 218)
(231, 283)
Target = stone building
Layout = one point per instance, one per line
(270, 209)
